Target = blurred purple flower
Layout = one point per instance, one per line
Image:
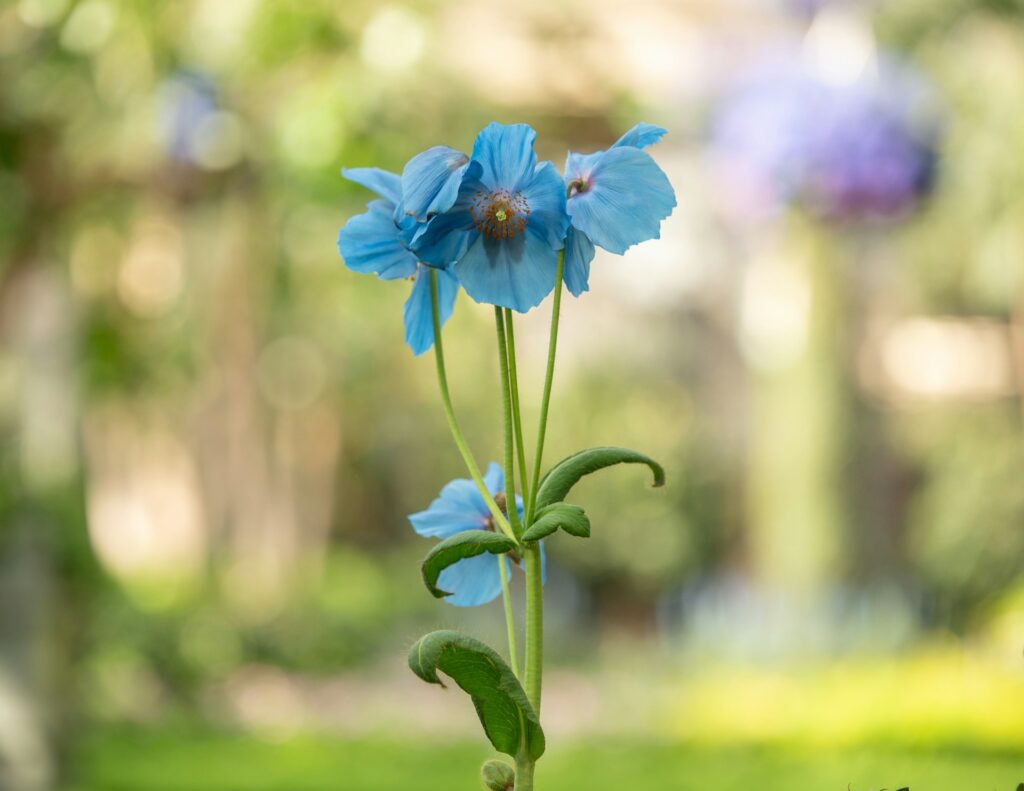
(186, 100)
(850, 151)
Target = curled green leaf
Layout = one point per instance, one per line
(560, 479)
(466, 544)
(571, 518)
(507, 717)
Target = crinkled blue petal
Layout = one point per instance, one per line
(430, 182)
(641, 136)
(444, 239)
(514, 273)
(506, 154)
(626, 197)
(459, 507)
(545, 195)
(473, 581)
(386, 184)
(369, 243)
(418, 313)
(579, 252)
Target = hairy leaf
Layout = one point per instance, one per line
(563, 476)
(506, 715)
(571, 518)
(466, 544)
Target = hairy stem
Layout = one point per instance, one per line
(556, 309)
(517, 420)
(460, 441)
(524, 773)
(534, 625)
(506, 402)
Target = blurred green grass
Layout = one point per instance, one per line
(161, 760)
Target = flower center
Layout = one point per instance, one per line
(576, 186)
(500, 214)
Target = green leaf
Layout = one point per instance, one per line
(557, 482)
(571, 518)
(507, 716)
(466, 544)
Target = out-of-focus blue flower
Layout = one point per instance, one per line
(186, 100)
(372, 243)
(460, 507)
(850, 151)
(503, 232)
(617, 198)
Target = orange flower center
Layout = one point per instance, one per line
(500, 214)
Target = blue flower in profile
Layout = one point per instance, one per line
(372, 242)
(503, 232)
(459, 508)
(616, 199)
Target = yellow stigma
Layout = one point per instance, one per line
(500, 215)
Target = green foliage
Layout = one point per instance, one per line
(560, 479)
(498, 776)
(467, 544)
(507, 717)
(571, 518)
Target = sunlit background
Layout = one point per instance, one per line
(211, 432)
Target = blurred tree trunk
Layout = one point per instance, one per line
(798, 450)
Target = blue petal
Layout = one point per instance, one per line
(514, 273)
(369, 242)
(545, 195)
(506, 154)
(430, 181)
(459, 507)
(626, 197)
(444, 239)
(418, 313)
(473, 581)
(387, 185)
(494, 478)
(579, 252)
(641, 136)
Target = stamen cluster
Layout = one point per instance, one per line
(500, 214)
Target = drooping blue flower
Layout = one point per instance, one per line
(617, 198)
(459, 508)
(372, 243)
(503, 232)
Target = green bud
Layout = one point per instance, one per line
(498, 776)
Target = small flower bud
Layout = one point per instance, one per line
(498, 776)
(501, 502)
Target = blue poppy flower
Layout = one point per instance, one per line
(459, 508)
(372, 243)
(506, 225)
(617, 198)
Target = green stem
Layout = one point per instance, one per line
(534, 625)
(510, 619)
(506, 402)
(517, 421)
(524, 773)
(460, 440)
(556, 309)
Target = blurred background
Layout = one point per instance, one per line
(211, 432)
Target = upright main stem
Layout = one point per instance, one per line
(524, 773)
(517, 419)
(556, 309)
(506, 402)
(534, 625)
(453, 424)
